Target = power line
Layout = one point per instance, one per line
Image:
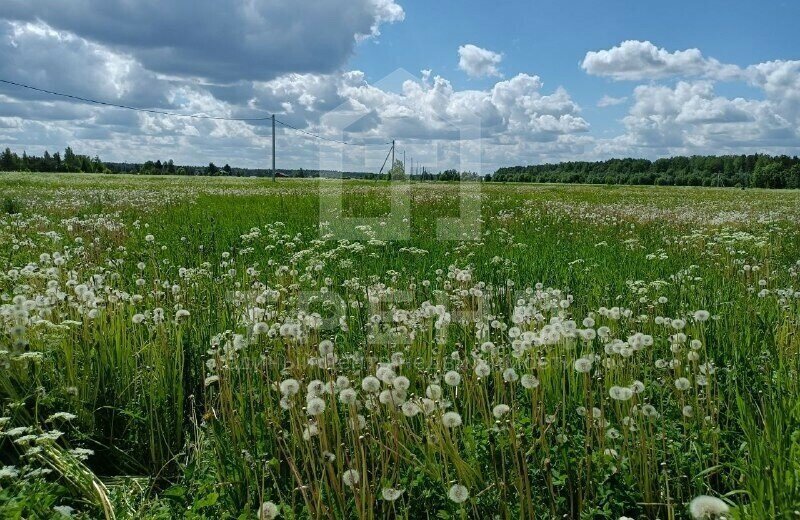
(175, 114)
(287, 125)
(126, 107)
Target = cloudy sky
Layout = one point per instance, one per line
(519, 82)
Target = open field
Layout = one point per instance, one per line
(195, 347)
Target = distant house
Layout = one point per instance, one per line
(280, 174)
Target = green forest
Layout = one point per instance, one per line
(757, 170)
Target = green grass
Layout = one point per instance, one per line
(185, 417)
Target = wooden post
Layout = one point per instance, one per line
(273, 147)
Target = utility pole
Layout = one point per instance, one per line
(273, 147)
(392, 166)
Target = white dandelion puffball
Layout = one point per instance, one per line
(682, 383)
(451, 419)
(452, 378)
(620, 393)
(316, 387)
(500, 410)
(385, 374)
(347, 396)
(391, 494)
(707, 507)
(410, 409)
(351, 478)
(269, 511)
(678, 324)
(583, 365)
(401, 383)
(290, 387)
(370, 384)
(434, 392)
(428, 405)
(529, 381)
(648, 410)
(386, 397)
(325, 347)
(458, 493)
(315, 406)
(510, 375)
(482, 369)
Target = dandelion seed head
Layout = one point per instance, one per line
(620, 393)
(269, 511)
(708, 507)
(510, 375)
(401, 383)
(351, 477)
(347, 396)
(451, 419)
(682, 383)
(434, 392)
(325, 347)
(370, 384)
(482, 369)
(410, 409)
(289, 387)
(452, 378)
(385, 374)
(458, 493)
(391, 494)
(8, 472)
(500, 410)
(315, 406)
(583, 365)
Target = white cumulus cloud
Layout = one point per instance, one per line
(610, 101)
(478, 62)
(641, 60)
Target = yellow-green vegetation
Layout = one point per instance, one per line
(209, 348)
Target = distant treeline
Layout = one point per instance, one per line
(758, 171)
(74, 163)
(70, 162)
(170, 168)
(10, 161)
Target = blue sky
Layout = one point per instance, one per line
(550, 38)
(539, 81)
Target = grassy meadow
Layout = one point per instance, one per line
(213, 348)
